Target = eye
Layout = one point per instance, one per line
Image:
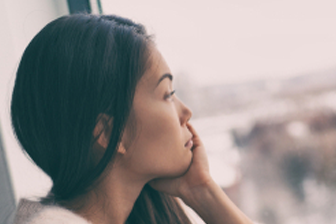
(169, 95)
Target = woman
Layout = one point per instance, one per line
(94, 107)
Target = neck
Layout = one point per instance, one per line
(113, 200)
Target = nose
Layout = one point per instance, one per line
(185, 113)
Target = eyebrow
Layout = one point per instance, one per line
(167, 75)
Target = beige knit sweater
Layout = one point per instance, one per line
(30, 212)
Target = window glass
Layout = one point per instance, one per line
(260, 77)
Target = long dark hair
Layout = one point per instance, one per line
(76, 68)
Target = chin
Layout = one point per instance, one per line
(183, 168)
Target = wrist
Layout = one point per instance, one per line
(195, 194)
(211, 203)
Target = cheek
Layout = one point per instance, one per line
(159, 147)
(159, 122)
(161, 129)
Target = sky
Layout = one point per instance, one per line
(229, 41)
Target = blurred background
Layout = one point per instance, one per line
(260, 77)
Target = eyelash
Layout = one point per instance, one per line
(170, 94)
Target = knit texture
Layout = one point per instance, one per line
(30, 212)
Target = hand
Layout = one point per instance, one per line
(197, 189)
(196, 176)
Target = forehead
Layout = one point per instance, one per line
(157, 67)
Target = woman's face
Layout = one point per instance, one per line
(158, 148)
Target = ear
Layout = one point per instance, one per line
(121, 149)
(103, 129)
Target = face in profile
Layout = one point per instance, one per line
(159, 147)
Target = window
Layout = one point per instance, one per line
(260, 78)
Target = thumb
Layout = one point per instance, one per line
(196, 139)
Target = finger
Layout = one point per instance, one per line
(191, 128)
(196, 139)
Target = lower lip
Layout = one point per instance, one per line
(189, 144)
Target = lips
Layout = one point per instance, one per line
(189, 143)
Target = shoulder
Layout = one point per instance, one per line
(30, 212)
(56, 215)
